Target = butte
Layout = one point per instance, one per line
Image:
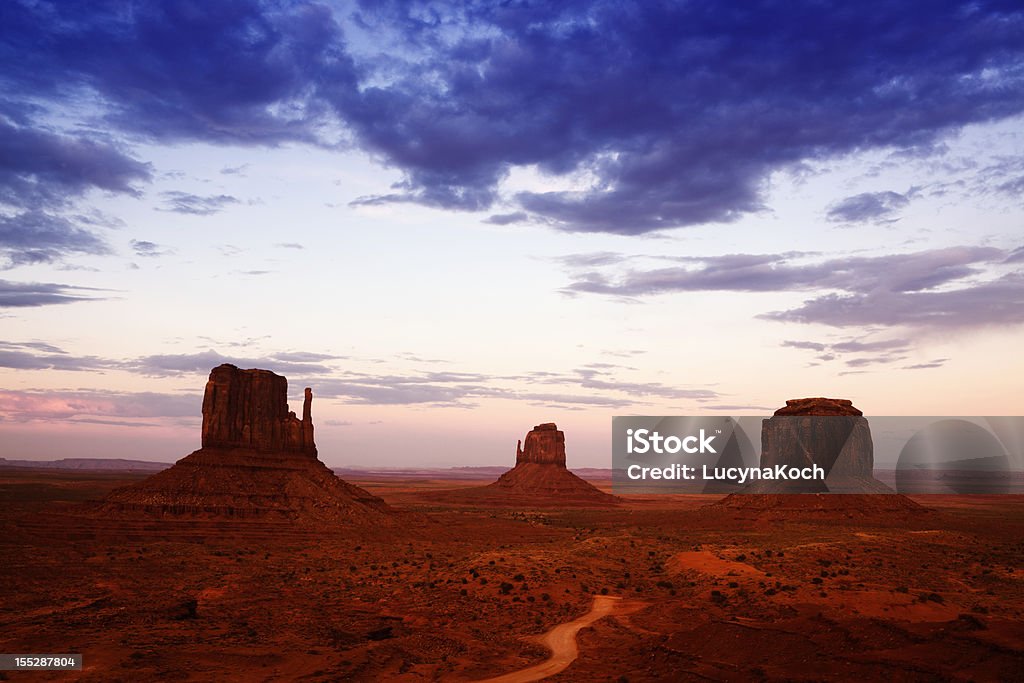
(540, 476)
(831, 433)
(258, 460)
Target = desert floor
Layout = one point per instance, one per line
(461, 591)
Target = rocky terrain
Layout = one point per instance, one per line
(480, 590)
(250, 560)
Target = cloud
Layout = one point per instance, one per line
(42, 174)
(196, 205)
(35, 236)
(871, 352)
(38, 356)
(592, 259)
(304, 357)
(937, 363)
(595, 387)
(34, 356)
(507, 218)
(676, 113)
(873, 360)
(793, 271)
(955, 287)
(241, 72)
(149, 249)
(44, 170)
(868, 206)
(289, 245)
(856, 345)
(810, 346)
(163, 365)
(994, 303)
(57, 406)
(29, 294)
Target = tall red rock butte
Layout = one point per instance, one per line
(249, 409)
(830, 433)
(540, 475)
(258, 460)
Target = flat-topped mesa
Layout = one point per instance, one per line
(827, 432)
(545, 445)
(249, 409)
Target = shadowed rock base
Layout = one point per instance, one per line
(240, 484)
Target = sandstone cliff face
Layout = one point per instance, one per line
(819, 431)
(249, 409)
(828, 432)
(545, 445)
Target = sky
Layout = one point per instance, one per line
(457, 220)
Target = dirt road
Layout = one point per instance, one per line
(561, 640)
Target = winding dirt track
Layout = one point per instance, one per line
(561, 640)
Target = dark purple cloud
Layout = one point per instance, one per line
(41, 174)
(867, 206)
(995, 303)
(41, 169)
(679, 112)
(147, 249)
(34, 356)
(29, 294)
(879, 351)
(938, 288)
(795, 272)
(196, 205)
(507, 218)
(36, 236)
(237, 71)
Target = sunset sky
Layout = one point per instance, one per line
(458, 220)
